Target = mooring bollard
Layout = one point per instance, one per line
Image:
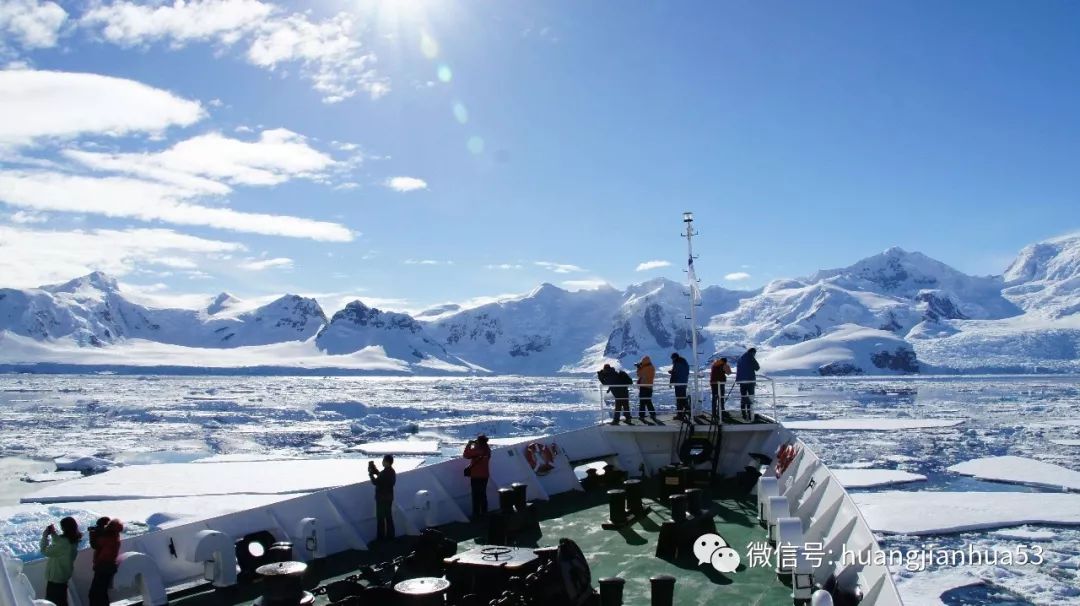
(693, 500)
(633, 497)
(677, 502)
(663, 590)
(617, 506)
(611, 591)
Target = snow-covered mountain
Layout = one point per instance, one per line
(545, 331)
(92, 311)
(895, 312)
(358, 326)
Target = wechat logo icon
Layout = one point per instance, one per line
(713, 549)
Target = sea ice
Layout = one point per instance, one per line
(1020, 470)
(398, 447)
(929, 512)
(183, 480)
(1025, 533)
(926, 588)
(871, 424)
(83, 463)
(869, 478)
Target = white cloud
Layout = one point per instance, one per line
(34, 24)
(590, 284)
(404, 184)
(159, 296)
(32, 257)
(130, 23)
(647, 265)
(277, 156)
(328, 52)
(426, 262)
(147, 201)
(23, 217)
(559, 268)
(175, 262)
(37, 104)
(736, 276)
(505, 266)
(262, 264)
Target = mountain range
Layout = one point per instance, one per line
(894, 312)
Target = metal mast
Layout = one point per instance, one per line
(695, 296)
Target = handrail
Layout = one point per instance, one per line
(698, 400)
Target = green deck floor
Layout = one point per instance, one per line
(627, 553)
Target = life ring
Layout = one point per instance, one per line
(695, 451)
(541, 457)
(784, 457)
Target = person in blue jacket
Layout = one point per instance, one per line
(746, 376)
(680, 376)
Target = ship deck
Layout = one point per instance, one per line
(627, 553)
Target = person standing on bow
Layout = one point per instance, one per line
(384, 481)
(680, 376)
(479, 455)
(746, 377)
(646, 374)
(60, 549)
(617, 381)
(718, 374)
(105, 541)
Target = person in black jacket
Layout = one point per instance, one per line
(746, 377)
(680, 377)
(616, 384)
(384, 481)
(622, 395)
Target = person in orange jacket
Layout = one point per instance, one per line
(646, 374)
(718, 375)
(479, 455)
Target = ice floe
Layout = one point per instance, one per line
(241, 477)
(1020, 470)
(871, 424)
(51, 476)
(870, 478)
(1025, 533)
(928, 512)
(83, 463)
(926, 588)
(398, 447)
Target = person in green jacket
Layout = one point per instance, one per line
(61, 551)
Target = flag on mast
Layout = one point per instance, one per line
(695, 292)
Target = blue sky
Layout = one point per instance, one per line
(414, 152)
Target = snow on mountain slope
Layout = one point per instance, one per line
(91, 310)
(67, 356)
(538, 333)
(915, 277)
(651, 320)
(358, 326)
(905, 293)
(1045, 277)
(789, 312)
(848, 349)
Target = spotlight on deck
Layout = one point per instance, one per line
(687, 217)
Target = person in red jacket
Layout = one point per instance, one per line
(479, 454)
(105, 541)
(718, 375)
